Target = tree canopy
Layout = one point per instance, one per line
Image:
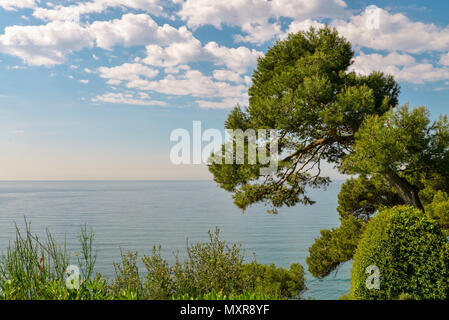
(302, 89)
(321, 112)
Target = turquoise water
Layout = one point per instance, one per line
(139, 214)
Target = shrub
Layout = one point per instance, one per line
(127, 283)
(31, 264)
(438, 210)
(410, 252)
(278, 283)
(215, 266)
(214, 270)
(219, 296)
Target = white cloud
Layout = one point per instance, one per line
(403, 66)
(60, 12)
(255, 17)
(84, 81)
(12, 5)
(236, 59)
(192, 83)
(226, 103)
(395, 32)
(174, 54)
(134, 30)
(227, 75)
(45, 44)
(304, 25)
(258, 33)
(126, 72)
(444, 60)
(141, 99)
(176, 69)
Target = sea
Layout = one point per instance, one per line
(137, 215)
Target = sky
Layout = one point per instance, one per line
(91, 90)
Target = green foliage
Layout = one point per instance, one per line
(346, 297)
(438, 210)
(410, 252)
(321, 112)
(402, 159)
(301, 89)
(363, 196)
(127, 281)
(274, 282)
(334, 246)
(213, 295)
(95, 289)
(215, 266)
(31, 264)
(32, 269)
(403, 141)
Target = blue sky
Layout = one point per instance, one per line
(92, 89)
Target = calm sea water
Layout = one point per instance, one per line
(135, 215)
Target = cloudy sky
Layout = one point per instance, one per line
(92, 89)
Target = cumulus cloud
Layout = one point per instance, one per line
(45, 44)
(395, 32)
(192, 83)
(403, 66)
(227, 75)
(126, 72)
(255, 17)
(140, 99)
(134, 30)
(304, 25)
(12, 5)
(226, 103)
(61, 12)
(236, 59)
(444, 60)
(174, 54)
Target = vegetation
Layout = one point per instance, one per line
(410, 252)
(394, 210)
(302, 89)
(321, 112)
(32, 269)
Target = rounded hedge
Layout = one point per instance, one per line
(410, 252)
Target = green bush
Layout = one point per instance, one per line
(127, 284)
(438, 210)
(32, 265)
(410, 252)
(215, 266)
(36, 269)
(275, 282)
(219, 296)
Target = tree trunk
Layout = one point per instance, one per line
(407, 191)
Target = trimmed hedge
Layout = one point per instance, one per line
(410, 252)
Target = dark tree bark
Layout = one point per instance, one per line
(407, 191)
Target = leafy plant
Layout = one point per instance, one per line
(410, 252)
